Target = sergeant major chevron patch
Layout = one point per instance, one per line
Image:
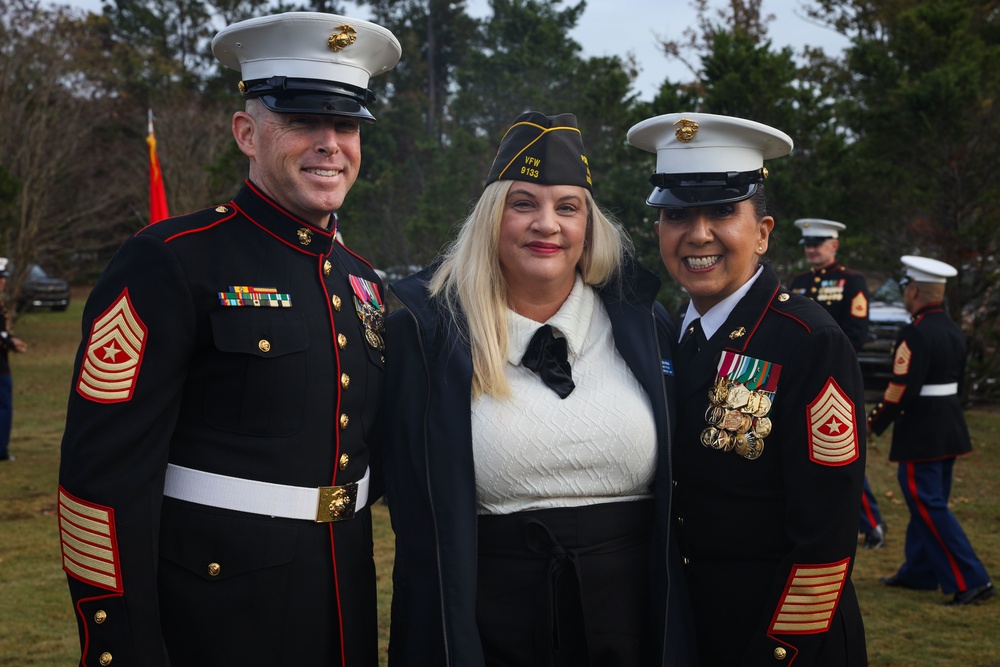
(113, 355)
(833, 433)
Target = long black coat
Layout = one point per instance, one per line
(764, 538)
(930, 350)
(287, 394)
(431, 481)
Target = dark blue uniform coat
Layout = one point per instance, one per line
(431, 481)
(930, 350)
(843, 294)
(769, 544)
(285, 394)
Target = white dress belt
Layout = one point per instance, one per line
(948, 389)
(323, 504)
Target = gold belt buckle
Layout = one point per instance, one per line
(337, 503)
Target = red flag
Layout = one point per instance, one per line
(157, 195)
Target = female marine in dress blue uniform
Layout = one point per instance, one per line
(769, 455)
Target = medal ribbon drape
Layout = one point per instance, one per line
(157, 193)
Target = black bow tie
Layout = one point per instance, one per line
(547, 356)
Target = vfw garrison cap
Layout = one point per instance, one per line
(817, 230)
(704, 159)
(542, 149)
(308, 62)
(927, 270)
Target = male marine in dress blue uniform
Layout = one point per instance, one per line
(844, 295)
(215, 464)
(922, 399)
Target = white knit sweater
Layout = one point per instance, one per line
(537, 451)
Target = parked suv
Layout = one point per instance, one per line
(40, 290)
(886, 316)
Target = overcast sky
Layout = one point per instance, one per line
(619, 27)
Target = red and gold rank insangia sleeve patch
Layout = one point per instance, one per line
(901, 363)
(810, 599)
(111, 364)
(89, 544)
(859, 305)
(833, 432)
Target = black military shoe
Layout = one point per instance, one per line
(876, 538)
(973, 595)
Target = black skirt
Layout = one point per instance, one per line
(567, 586)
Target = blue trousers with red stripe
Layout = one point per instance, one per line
(870, 516)
(938, 553)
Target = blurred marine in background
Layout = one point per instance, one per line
(8, 343)
(844, 295)
(930, 432)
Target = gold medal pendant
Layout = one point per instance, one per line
(740, 444)
(753, 403)
(723, 441)
(713, 415)
(738, 396)
(756, 449)
(765, 406)
(762, 427)
(374, 339)
(731, 420)
(719, 392)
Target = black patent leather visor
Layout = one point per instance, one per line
(690, 190)
(283, 95)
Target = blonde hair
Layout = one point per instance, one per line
(469, 279)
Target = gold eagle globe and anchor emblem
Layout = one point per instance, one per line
(342, 39)
(688, 128)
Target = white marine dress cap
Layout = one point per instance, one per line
(817, 230)
(927, 270)
(308, 62)
(704, 159)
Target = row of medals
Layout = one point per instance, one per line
(736, 419)
(374, 320)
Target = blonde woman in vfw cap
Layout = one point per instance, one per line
(770, 446)
(530, 386)
(215, 481)
(930, 433)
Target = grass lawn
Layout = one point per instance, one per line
(904, 628)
